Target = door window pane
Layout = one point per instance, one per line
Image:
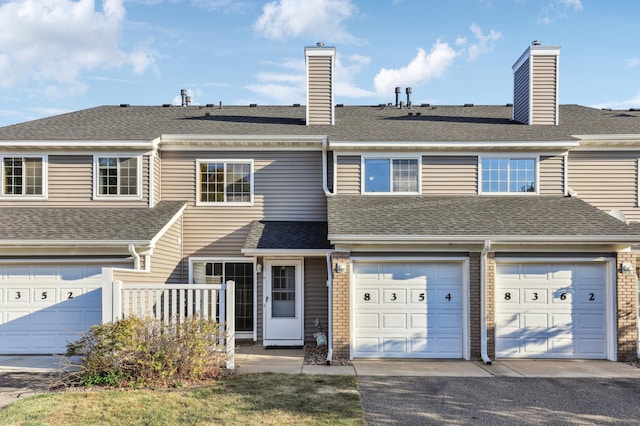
(283, 291)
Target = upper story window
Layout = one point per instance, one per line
(117, 176)
(508, 175)
(384, 175)
(225, 181)
(23, 176)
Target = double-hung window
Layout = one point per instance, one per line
(225, 181)
(117, 176)
(508, 175)
(391, 175)
(23, 176)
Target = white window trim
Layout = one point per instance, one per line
(535, 158)
(389, 157)
(45, 178)
(224, 203)
(96, 177)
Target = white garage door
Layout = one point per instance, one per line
(408, 310)
(42, 307)
(551, 310)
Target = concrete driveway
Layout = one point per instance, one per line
(499, 400)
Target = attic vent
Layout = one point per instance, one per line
(253, 105)
(166, 105)
(468, 105)
(508, 105)
(209, 105)
(634, 109)
(425, 105)
(124, 105)
(339, 105)
(296, 105)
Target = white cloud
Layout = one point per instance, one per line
(483, 43)
(633, 62)
(346, 71)
(558, 9)
(318, 19)
(634, 102)
(420, 70)
(50, 43)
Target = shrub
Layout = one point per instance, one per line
(147, 352)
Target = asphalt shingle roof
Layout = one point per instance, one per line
(85, 224)
(470, 216)
(289, 235)
(353, 123)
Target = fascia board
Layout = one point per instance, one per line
(69, 243)
(177, 139)
(169, 224)
(496, 239)
(78, 144)
(285, 252)
(452, 145)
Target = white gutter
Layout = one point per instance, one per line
(483, 302)
(457, 239)
(83, 243)
(330, 310)
(285, 252)
(136, 257)
(466, 145)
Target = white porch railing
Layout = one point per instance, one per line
(168, 302)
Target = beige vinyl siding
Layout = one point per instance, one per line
(70, 184)
(449, 175)
(165, 261)
(521, 93)
(315, 296)
(288, 186)
(320, 106)
(157, 179)
(544, 108)
(608, 180)
(551, 175)
(348, 174)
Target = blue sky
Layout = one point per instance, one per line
(63, 55)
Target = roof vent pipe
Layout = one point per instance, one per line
(398, 90)
(536, 43)
(183, 94)
(408, 97)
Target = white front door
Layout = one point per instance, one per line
(283, 308)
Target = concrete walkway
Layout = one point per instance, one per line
(258, 359)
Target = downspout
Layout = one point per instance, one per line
(136, 257)
(483, 302)
(330, 309)
(325, 188)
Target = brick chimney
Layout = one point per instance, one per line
(535, 85)
(320, 62)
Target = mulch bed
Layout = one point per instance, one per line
(317, 355)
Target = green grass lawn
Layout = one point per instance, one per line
(239, 399)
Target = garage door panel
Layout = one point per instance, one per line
(367, 321)
(394, 321)
(394, 296)
(534, 321)
(417, 309)
(42, 307)
(554, 310)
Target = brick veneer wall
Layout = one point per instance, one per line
(626, 292)
(491, 323)
(341, 300)
(474, 304)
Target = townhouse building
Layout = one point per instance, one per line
(405, 230)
